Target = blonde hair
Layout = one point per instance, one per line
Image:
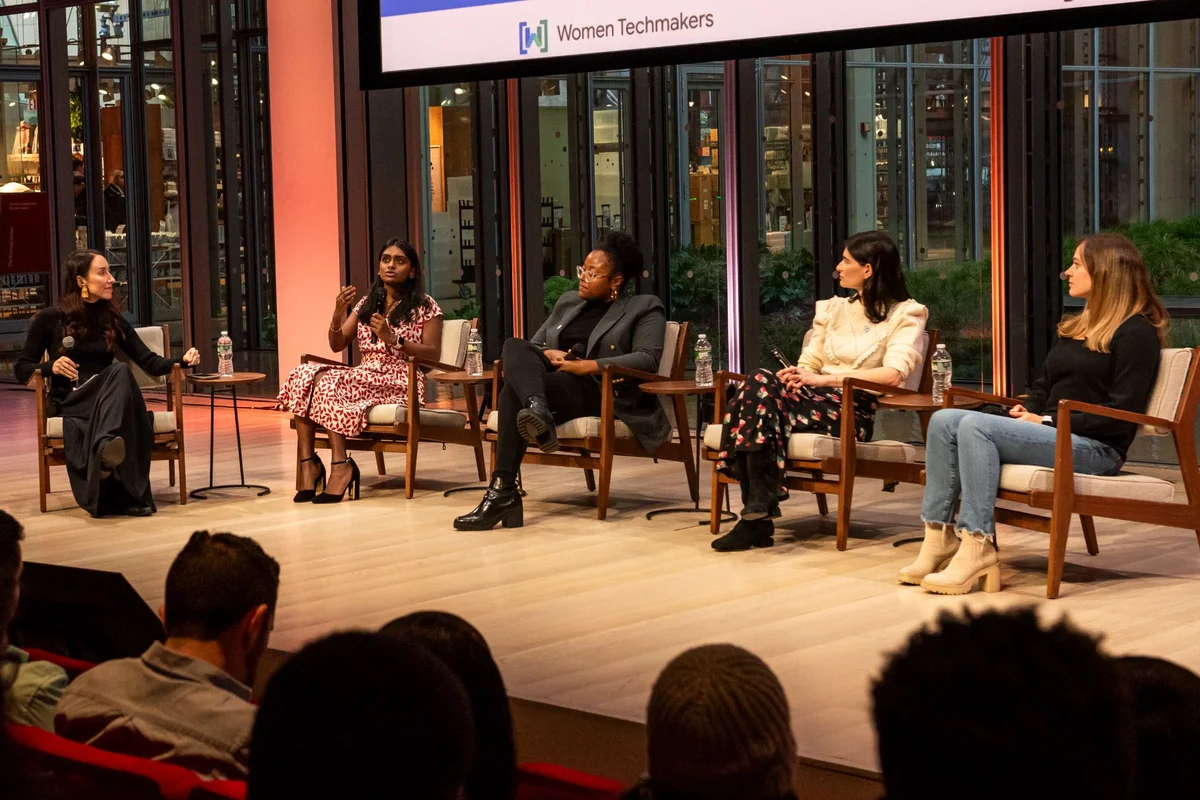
(1121, 289)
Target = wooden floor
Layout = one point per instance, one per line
(582, 613)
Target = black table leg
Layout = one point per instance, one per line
(725, 516)
(201, 494)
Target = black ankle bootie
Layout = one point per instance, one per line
(746, 535)
(536, 424)
(501, 503)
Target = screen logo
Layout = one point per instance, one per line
(534, 37)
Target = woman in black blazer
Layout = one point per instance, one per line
(555, 376)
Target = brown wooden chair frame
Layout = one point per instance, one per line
(808, 475)
(168, 447)
(407, 437)
(581, 453)
(1063, 501)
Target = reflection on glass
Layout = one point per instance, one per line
(786, 270)
(113, 34)
(450, 252)
(1079, 97)
(23, 290)
(704, 116)
(1124, 46)
(1177, 131)
(1177, 44)
(560, 229)
(162, 158)
(877, 152)
(156, 20)
(1123, 144)
(19, 39)
(943, 183)
(114, 208)
(610, 140)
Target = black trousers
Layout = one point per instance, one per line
(528, 373)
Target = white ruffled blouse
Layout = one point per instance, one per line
(843, 340)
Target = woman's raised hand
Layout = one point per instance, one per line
(66, 368)
(344, 298)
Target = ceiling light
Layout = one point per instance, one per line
(103, 92)
(13, 103)
(155, 86)
(459, 90)
(808, 94)
(162, 97)
(783, 90)
(691, 103)
(214, 81)
(107, 53)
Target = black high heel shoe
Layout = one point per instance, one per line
(324, 498)
(501, 503)
(307, 495)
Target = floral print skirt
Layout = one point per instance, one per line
(763, 414)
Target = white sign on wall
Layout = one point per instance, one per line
(438, 34)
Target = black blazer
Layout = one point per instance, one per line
(630, 335)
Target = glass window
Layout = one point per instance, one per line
(114, 209)
(610, 149)
(1177, 131)
(1078, 179)
(156, 20)
(113, 34)
(1125, 46)
(786, 270)
(1123, 139)
(704, 92)
(877, 151)
(162, 157)
(24, 286)
(19, 39)
(450, 253)
(1177, 44)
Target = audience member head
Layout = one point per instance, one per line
(221, 590)
(356, 712)
(11, 536)
(870, 267)
(1166, 720)
(718, 728)
(613, 266)
(457, 643)
(997, 705)
(1107, 271)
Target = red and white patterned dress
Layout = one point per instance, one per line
(339, 402)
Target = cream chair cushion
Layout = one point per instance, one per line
(455, 333)
(164, 422)
(579, 428)
(816, 446)
(393, 414)
(670, 341)
(1025, 478)
(155, 338)
(1168, 389)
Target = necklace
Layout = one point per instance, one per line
(391, 307)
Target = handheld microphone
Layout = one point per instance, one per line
(576, 352)
(378, 304)
(68, 343)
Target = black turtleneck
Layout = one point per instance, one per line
(579, 330)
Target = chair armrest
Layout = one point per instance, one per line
(984, 396)
(871, 386)
(721, 381)
(1065, 407)
(626, 372)
(305, 358)
(428, 363)
(728, 377)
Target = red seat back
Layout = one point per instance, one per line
(550, 782)
(219, 790)
(78, 770)
(72, 666)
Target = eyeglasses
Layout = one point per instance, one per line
(588, 275)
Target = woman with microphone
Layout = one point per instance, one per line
(394, 322)
(107, 431)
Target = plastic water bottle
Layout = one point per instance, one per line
(704, 371)
(943, 372)
(474, 354)
(225, 355)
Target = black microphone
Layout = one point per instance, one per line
(68, 343)
(378, 304)
(576, 352)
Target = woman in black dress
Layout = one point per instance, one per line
(107, 431)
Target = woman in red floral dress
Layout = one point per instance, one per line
(394, 322)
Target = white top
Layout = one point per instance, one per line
(843, 340)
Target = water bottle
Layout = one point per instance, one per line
(704, 372)
(225, 355)
(943, 372)
(474, 354)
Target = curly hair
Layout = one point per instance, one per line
(624, 254)
(995, 706)
(80, 318)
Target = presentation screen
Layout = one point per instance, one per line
(445, 36)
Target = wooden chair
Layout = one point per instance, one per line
(168, 425)
(812, 456)
(392, 429)
(581, 439)
(1127, 496)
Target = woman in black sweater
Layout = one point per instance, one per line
(1108, 355)
(107, 431)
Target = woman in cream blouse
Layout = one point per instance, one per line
(872, 335)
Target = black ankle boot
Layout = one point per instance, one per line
(745, 535)
(501, 503)
(536, 424)
(760, 483)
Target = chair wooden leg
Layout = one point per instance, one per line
(1060, 526)
(183, 495)
(606, 462)
(300, 465)
(589, 477)
(1089, 534)
(479, 465)
(171, 472)
(845, 495)
(380, 464)
(43, 477)
(410, 470)
(714, 507)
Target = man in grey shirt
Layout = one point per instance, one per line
(187, 701)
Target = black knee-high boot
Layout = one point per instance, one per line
(760, 486)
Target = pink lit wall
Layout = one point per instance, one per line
(304, 152)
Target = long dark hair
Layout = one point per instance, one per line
(886, 287)
(412, 293)
(464, 650)
(79, 318)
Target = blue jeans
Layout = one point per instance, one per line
(963, 454)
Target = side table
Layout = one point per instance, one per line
(924, 406)
(230, 382)
(683, 388)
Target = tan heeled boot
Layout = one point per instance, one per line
(975, 562)
(939, 547)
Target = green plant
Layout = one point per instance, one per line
(555, 287)
(269, 332)
(468, 310)
(1171, 251)
(959, 299)
(75, 103)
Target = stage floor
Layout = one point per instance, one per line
(583, 613)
